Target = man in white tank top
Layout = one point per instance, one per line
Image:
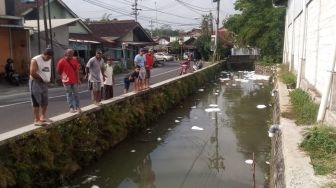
(40, 73)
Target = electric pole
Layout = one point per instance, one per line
(151, 26)
(45, 23)
(217, 26)
(135, 10)
(211, 23)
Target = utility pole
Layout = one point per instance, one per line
(38, 26)
(151, 26)
(45, 24)
(211, 22)
(156, 21)
(135, 10)
(51, 44)
(216, 32)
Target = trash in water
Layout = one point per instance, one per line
(244, 81)
(95, 186)
(261, 84)
(201, 90)
(193, 107)
(267, 162)
(90, 179)
(216, 93)
(213, 105)
(212, 109)
(249, 161)
(179, 117)
(169, 129)
(133, 151)
(213, 118)
(197, 128)
(234, 84)
(261, 106)
(224, 79)
(159, 139)
(195, 117)
(177, 121)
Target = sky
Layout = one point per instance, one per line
(179, 14)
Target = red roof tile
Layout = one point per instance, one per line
(112, 28)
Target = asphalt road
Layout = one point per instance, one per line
(16, 111)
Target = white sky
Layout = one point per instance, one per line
(179, 14)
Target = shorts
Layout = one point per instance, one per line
(95, 86)
(142, 74)
(148, 73)
(127, 83)
(38, 93)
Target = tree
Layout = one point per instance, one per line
(203, 44)
(259, 25)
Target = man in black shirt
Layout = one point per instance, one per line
(131, 78)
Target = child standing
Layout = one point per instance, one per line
(109, 79)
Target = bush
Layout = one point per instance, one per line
(287, 77)
(320, 143)
(304, 108)
(117, 68)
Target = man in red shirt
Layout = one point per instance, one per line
(68, 68)
(149, 61)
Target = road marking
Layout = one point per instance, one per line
(58, 96)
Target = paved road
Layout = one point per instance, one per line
(15, 108)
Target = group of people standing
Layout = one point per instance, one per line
(99, 74)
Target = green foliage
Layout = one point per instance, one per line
(287, 77)
(320, 143)
(258, 25)
(304, 108)
(117, 68)
(164, 31)
(203, 44)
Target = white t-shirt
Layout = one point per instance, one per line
(43, 68)
(109, 75)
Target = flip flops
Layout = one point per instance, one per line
(39, 123)
(47, 120)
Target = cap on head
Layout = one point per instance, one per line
(48, 51)
(142, 50)
(98, 51)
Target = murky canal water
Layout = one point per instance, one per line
(195, 145)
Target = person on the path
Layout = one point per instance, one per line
(109, 79)
(140, 61)
(132, 77)
(149, 61)
(93, 73)
(68, 68)
(40, 73)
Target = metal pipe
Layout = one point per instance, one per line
(38, 27)
(326, 92)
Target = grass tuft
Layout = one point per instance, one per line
(320, 143)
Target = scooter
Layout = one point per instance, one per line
(184, 67)
(13, 78)
(198, 65)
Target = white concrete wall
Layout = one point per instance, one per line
(319, 41)
(2, 7)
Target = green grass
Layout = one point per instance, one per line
(330, 185)
(287, 77)
(320, 144)
(304, 108)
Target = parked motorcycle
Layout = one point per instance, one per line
(11, 76)
(198, 65)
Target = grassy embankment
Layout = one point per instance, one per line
(320, 140)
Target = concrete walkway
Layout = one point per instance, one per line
(299, 172)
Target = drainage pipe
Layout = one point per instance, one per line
(303, 44)
(326, 92)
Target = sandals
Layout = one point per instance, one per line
(39, 123)
(47, 120)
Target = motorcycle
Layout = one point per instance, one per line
(198, 65)
(11, 76)
(184, 67)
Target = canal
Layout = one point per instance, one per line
(202, 143)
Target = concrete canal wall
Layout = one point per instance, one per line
(46, 157)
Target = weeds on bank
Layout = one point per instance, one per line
(320, 143)
(330, 185)
(287, 77)
(304, 108)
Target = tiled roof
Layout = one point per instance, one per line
(113, 28)
(21, 7)
(85, 37)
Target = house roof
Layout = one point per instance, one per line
(54, 23)
(85, 38)
(116, 29)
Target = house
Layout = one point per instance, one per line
(121, 38)
(309, 49)
(64, 23)
(14, 39)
